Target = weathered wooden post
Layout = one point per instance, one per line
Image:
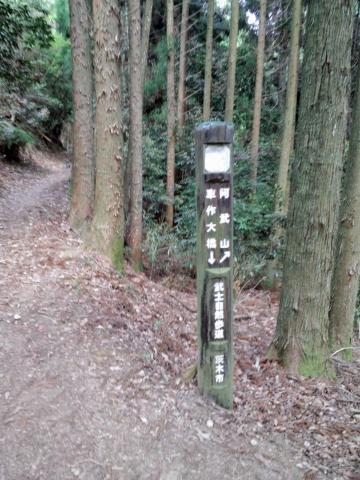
(214, 260)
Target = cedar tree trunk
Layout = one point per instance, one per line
(230, 87)
(208, 61)
(83, 170)
(258, 94)
(182, 64)
(170, 183)
(135, 133)
(301, 337)
(145, 36)
(107, 232)
(287, 143)
(345, 284)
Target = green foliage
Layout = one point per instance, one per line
(32, 114)
(55, 67)
(35, 100)
(35, 74)
(155, 86)
(253, 213)
(62, 17)
(23, 27)
(12, 138)
(164, 252)
(155, 164)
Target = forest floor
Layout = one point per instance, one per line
(92, 367)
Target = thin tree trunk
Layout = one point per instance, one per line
(145, 36)
(107, 233)
(124, 56)
(258, 94)
(182, 66)
(170, 113)
(83, 171)
(287, 143)
(125, 95)
(135, 133)
(208, 61)
(345, 284)
(230, 87)
(301, 337)
(282, 50)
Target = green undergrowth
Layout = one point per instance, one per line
(12, 138)
(166, 250)
(35, 62)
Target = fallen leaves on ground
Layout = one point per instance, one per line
(158, 324)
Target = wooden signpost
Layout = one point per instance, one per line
(214, 174)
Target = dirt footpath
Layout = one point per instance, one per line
(91, 363)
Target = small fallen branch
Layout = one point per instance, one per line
(342, 349)
(189, 309)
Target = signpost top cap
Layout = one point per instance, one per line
(215, 132)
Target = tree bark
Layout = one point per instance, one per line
(258, 94)
(182, 65)
(301, 337)
(282, 50)
(287, 144)
(107, 232)
(345, 285)
(83, 170)
(170, 113)
(145, 36)
(208, 61)
(135, 133)
(230, 87)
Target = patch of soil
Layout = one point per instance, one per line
(92, 367)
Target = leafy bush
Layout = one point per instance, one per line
(33, 115)
(253, 213)
(23, 27)
(35, 62)
(12, 139)
(54, 67)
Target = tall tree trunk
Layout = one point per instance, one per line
(170, 112)
(258, 94)
(345, 284)
(287, 143)
(145, 36)
(182, 65)
(301, 337)
(107, 232)
(208, 61)
(230, 87)
(282, 50)
(135, 133)
(83, 171)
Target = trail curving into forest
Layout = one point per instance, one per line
(91, 362)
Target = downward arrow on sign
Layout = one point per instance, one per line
(211, 258)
